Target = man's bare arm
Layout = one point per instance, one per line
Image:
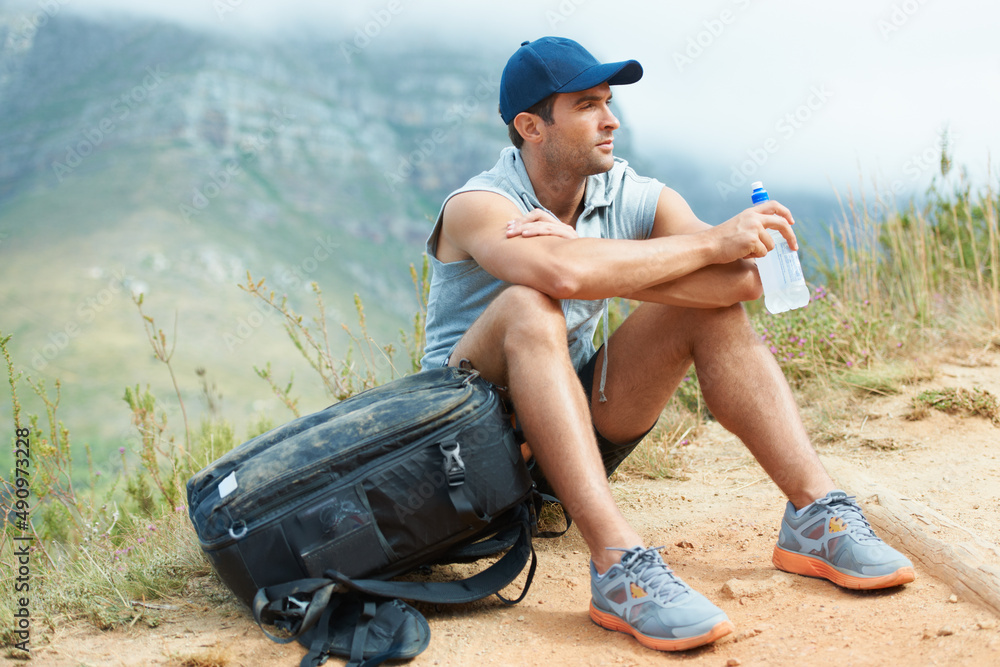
(713, 286)
(475, 225)
(710, 287)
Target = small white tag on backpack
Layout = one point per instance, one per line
(227, 485)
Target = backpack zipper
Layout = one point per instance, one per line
(386, 461)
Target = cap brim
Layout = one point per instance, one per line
(616, 74)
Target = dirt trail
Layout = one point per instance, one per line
(719, 527)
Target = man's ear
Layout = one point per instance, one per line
(528, 125)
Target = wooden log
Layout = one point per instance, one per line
(947, 550)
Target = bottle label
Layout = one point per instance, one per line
(788, 260)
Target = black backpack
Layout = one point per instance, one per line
(307, 523)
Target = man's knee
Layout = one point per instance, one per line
(730, 324)
(533, 316)
(524, 298)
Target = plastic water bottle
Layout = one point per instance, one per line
(780, 270)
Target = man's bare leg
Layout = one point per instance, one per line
(747, 393)
(520, 342)
(742, 384)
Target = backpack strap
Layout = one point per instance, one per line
(366, 631)
(286, 605)
(483, 584)
(287, 601)
(501, 540)
(454, 470)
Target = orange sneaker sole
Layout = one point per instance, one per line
(814, 567)
(612, 622)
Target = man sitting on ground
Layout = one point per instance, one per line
(525, 257)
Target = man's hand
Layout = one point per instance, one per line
(745, 236)
(539, 223)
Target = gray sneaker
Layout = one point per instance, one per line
(643, 597)
(833, 540)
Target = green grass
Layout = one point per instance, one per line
(120, 562)
(119, 214)
(106, 545)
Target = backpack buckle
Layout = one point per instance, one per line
(299, 608)
(454, 466)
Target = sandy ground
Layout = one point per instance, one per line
(718, 527)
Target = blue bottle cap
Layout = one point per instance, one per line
(759, 193)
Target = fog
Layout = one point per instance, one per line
(798, 94)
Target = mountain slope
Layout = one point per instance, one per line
(142, 156)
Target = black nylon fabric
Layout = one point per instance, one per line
(334, 503)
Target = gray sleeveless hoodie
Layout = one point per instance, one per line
(617, 204)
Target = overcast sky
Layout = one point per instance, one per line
(799, 93)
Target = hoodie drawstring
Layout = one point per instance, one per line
(604, 365)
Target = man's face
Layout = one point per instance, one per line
(580, 137)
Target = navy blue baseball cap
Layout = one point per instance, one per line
(555, 65)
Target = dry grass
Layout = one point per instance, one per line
(657, 456)
(215, 657)
(957, 401)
